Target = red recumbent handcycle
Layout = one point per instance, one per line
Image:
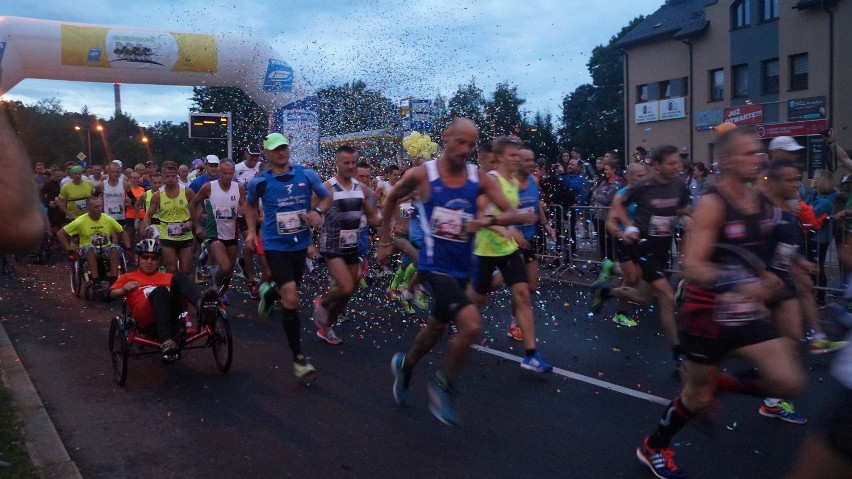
(211, 330)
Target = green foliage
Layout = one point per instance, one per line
(593, 115)
(504, 112)
(353, 108)
(541, 138)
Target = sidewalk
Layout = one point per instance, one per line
(46, 450)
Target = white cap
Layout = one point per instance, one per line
(785, 143)
(211, 159)
(119, 163)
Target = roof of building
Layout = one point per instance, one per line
(676, 19)
(805, 4)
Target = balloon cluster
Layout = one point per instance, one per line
(418, 145)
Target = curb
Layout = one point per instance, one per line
(45, 448)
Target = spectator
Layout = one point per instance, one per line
(821, 198)
(602, 197)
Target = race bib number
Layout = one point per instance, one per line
(98, 240)
(113, 210)
(782, 258)
(224, 212)
(449, 224)
(661, 225)
(528, 209)
(405, 210)
(80, 205)
(732, 309)
(174, 229)
(290, 222)
(348, 239)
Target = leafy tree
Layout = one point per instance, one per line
(593, 115)
(503, 112)
(351, 108)
(467, 102)
(541, 138)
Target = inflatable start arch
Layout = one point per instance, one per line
(31, 48)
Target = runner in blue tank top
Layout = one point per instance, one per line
(447, 189)
(286, 191)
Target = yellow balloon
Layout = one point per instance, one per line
(425, 155)
(428, 138)
(415, 134)
(412, 151)
(433, 147)
(406, 142)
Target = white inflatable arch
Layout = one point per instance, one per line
(31, 48)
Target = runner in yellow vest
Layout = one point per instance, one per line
(169, 212)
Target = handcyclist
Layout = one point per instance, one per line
(157, 299)
(95, 230)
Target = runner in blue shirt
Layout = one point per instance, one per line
(447, 189)
(286, 192)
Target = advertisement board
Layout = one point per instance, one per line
(744, 114)
(646, 112)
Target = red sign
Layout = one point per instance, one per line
(793, 128)
(744, 114)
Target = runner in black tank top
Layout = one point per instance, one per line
(723, 310)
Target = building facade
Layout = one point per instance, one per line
(779, 65)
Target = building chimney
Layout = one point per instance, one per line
(117, 87)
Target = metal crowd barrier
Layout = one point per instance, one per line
(585, 255)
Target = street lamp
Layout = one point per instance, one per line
(99, 127)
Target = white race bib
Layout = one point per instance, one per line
(113, 210)
(98, 240)
(348, 239)
(783, 256)
(174, 229)
(80, 205)
(449, 224)
(224, 213)
(732, 309)
(290, 222)
(405, 210)
(661, 225)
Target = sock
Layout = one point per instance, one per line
(293, 330)
(674, 419)
(530, 352)
(771, 402)
(409, 273)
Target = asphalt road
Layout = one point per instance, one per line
(189, 420)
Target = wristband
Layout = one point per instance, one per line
(319, 211)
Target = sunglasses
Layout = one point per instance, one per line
(151, 257)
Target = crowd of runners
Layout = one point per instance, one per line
(451, 233)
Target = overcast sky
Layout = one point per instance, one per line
(415, 48)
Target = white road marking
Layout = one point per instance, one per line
(580, 377)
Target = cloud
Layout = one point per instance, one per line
(402, 48)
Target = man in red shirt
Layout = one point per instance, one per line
(157, 298)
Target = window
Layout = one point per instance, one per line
(768, 10)
(769, 76)
(641, 93)
(739, 81)
(676, 87)
(740, 14)
(717, 85)
(799, 72)
(648, 92)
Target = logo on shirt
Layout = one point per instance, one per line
(735, 229)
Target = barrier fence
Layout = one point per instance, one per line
(582, 243)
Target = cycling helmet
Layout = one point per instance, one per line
(149, 245)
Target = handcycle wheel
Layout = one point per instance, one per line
(119, 349)
(75, 278)
(221, 343)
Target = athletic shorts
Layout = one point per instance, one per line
(348, 258)
(230, 242)
(834, 421)
(625, 252)
(529, 255)
(85, 249)
(177, 245)
(653, 258)
(448, 294)
(286, 266)
(512, 267)
(788, 291)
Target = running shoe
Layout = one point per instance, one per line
(600, 295)
(406, 305)
(327, 334)
(515, 333)
(264, 307)
(304, 371)
(822, 346)
(783, 411)
(253, 290)
(320, 314)
(169, 350)
(420, 300)
(441, 403)
(660, 461)
(400, 379)
(536, 364)
(624, 320)
(606, 271)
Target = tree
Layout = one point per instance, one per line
(353, 108)
(467, 102)
(503, 112)
(593, 115)
(541, 137)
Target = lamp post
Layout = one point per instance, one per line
(99, 127)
